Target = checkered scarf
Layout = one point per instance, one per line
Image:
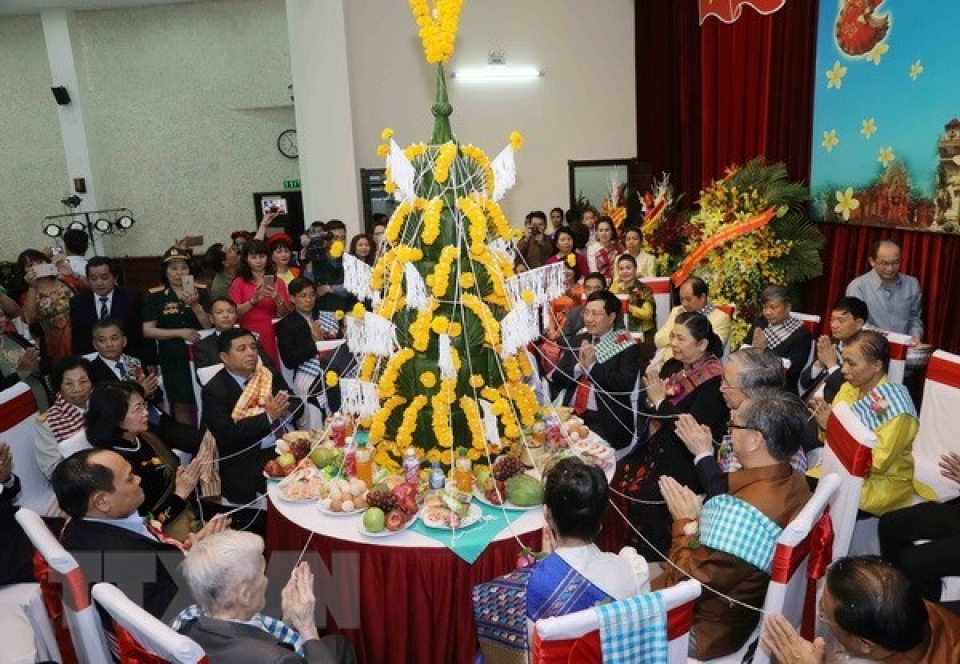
(777, 334)
(275, 628)
(255, 394)
(612, 344)
(634, 630)
(736, 527)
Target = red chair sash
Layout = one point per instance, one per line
(679, 620)
(131, 652)
(943, 371)
(582, 650)
(855, 457)
(898, 351)
(52, 598)
(658, 286)
(17, 410)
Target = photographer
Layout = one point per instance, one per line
(535, 246)
(325, 270)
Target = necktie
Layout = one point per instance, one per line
(104, 311)
(122, 370)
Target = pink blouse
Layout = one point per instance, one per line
(260, 318)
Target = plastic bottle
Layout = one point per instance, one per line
(338, 431)
(462, 473)
(350, 458)
(437, 477)
(411, 466)
(364, 463)
(553, 433)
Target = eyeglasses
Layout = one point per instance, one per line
(731, 426)
(888, 263)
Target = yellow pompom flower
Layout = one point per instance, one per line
(332, 379)
(336, 249)
(386, 134)
(467, 280)
(476, 381)
(440, 325)
(358, 310)
(528, 296)
(571, 259)
(516, 140)
(383, 150)
(428, 379)
(455, 329)
(339, 314)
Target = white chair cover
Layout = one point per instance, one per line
(18, 428)
(152, 634)
(661, 297)
(74, 444)
(83, 621)
(204, 374)
(939, 423)
(899, 345)
(195, 381)
(23, 616)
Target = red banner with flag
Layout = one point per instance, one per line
(729, 11)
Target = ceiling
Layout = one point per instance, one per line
(15, 7)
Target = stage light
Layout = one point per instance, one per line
(52, 230)
(76, 225)
(103, 225)
(125, 222)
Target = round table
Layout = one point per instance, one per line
(411, 593)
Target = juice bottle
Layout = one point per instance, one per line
(338, 431)
(411, 466)
(462, 473)
(364, 463)
(350, 458)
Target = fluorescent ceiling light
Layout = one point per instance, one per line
(498, 73)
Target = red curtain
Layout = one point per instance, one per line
(718, 94)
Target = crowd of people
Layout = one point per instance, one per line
(697, 430)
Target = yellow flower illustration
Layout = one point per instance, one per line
(877, 52)
(830, 140)
(835, 75)
(916, 69)
(846, 203)
(868, 128)
(886, 157)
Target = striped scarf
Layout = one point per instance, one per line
(64, 419)
(255, 394)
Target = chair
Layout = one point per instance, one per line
(576, 637)
(938, 421)
(810, 321)
(195, 382)
(74, 444)
(848, 452)
(204, 374)
(730, 310)
(661, 297)
(18, 428)
(142, 638)
(24, 601)
(899, 344)
(82, 638)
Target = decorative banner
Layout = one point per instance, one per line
(711, 243)
(886, 136)
(729, 11)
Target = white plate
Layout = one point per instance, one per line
(329, 344)
(282, 497)
(324, 510)
(386, 532)
(507, 505)
(474, 514)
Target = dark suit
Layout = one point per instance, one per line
(126, 306)
(297, 346)
(614, 420)
(795, 348)
(242, 473)
(831, 384)
(238, 643)
(16, 552)
(206, 352)
(80, 535)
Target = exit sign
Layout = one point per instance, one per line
(291, 184)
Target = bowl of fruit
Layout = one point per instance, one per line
(342, 497)
(390, 510)
(509, 485)
(295, 447)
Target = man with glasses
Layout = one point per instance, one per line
(893, 299)
(728, 543)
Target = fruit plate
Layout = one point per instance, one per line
(507, 505)
(271, 478)
(329, 512)
(386, 532)
(474, 514)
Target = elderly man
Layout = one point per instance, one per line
(823, 377)
(728, 543)
(893, 299)
(600, 370)
(101, 494)
(695, 298)
(875, 614)
(230, 628)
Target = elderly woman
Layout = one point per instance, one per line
(63, 421)
(231, 596)
(875, 614)
(172, 315)
(575, 500)
(47, 302)
(687, 383)
(886, 409)
(117, 420)
(780, 332)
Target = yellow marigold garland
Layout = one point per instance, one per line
(491, 328)
(431, 220)
(378, 424)
(409, 423)
(445, 157)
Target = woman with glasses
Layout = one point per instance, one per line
(687, 383)
(117, 420)
(874, 613)
(886, 409)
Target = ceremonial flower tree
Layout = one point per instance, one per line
(443, 361)
(751, 231)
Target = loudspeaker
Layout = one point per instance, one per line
(61, 95)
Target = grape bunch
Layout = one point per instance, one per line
(506, 467)
(382, 499)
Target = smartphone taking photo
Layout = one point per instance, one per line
(188, 284)
(269, 280)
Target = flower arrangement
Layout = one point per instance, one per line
(666, 232)
(450, 375)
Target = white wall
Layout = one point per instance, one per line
(32, 163)
(583, 108)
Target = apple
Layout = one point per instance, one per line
(287, 460)
(273, 469)
(374, 520)
(396, 520)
